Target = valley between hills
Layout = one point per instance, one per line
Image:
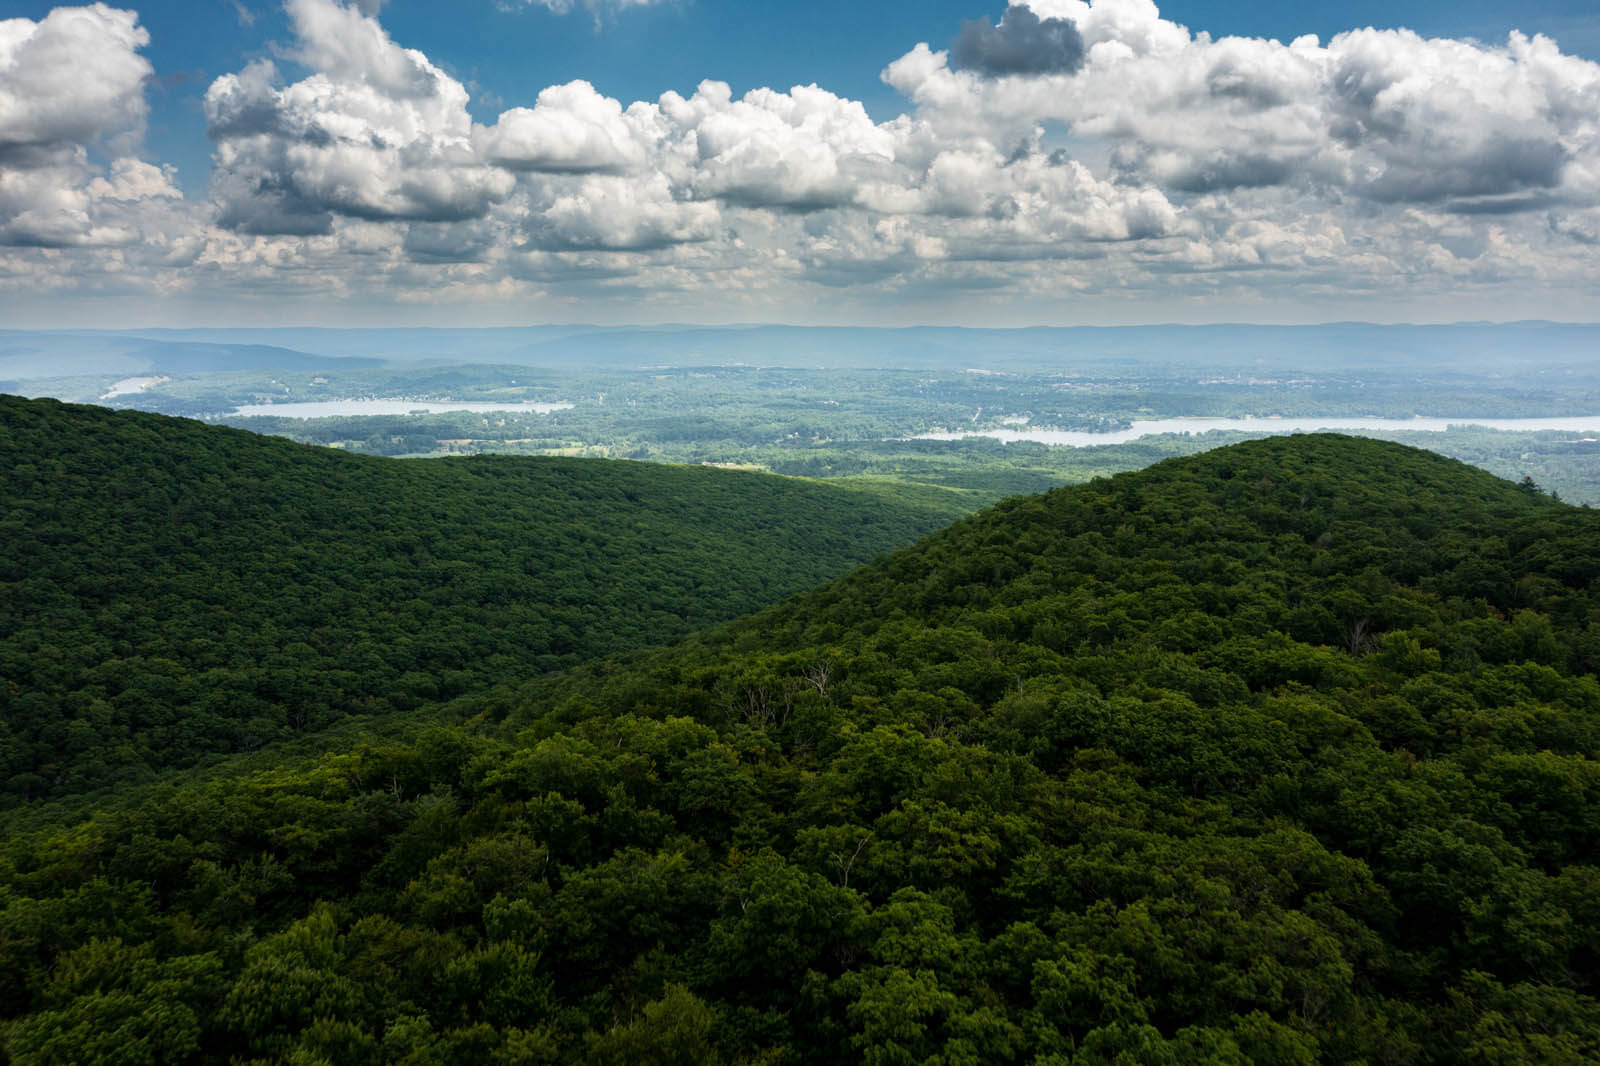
(1280, 753)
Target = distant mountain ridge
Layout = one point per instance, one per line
(28, 355)
(1478, 347)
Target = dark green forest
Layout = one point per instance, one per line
(1281, 753)
(171, 590)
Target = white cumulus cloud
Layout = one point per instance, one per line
(375, 132)
(572, 128)
(71, 77)
(72, 90)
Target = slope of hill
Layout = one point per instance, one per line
(1285, 753)
(172, 589)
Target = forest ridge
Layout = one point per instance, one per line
(1282, 753)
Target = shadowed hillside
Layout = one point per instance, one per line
(173, 589)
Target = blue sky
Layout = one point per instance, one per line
(1269, 199)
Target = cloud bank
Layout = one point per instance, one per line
(1069, 154)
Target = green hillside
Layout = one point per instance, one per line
(170, 590)
(1284, 753)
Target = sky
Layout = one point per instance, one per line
(494, 162)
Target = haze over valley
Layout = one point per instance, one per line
(924, 405)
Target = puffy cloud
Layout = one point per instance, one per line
(70, 204)
(571, 128)
(72, 82)
(693, 170)
(71, 77)
(376, 132)
(1450, 121)
(1117, 27)
(346, 44)
(619, 214)
(1023, 43)
(46, 203)
(132, 180)
(801, 150)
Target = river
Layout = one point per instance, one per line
(1588, 424)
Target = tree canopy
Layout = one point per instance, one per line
(171, 590)
(1285, 753)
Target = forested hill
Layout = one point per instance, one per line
(1300, 532)
(170, 589)
(1284, 753)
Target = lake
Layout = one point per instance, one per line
(346, 408)
(1155, 426)
(131, 387)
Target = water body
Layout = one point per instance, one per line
(1587, 424)
(346, 408)
(130, 387)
